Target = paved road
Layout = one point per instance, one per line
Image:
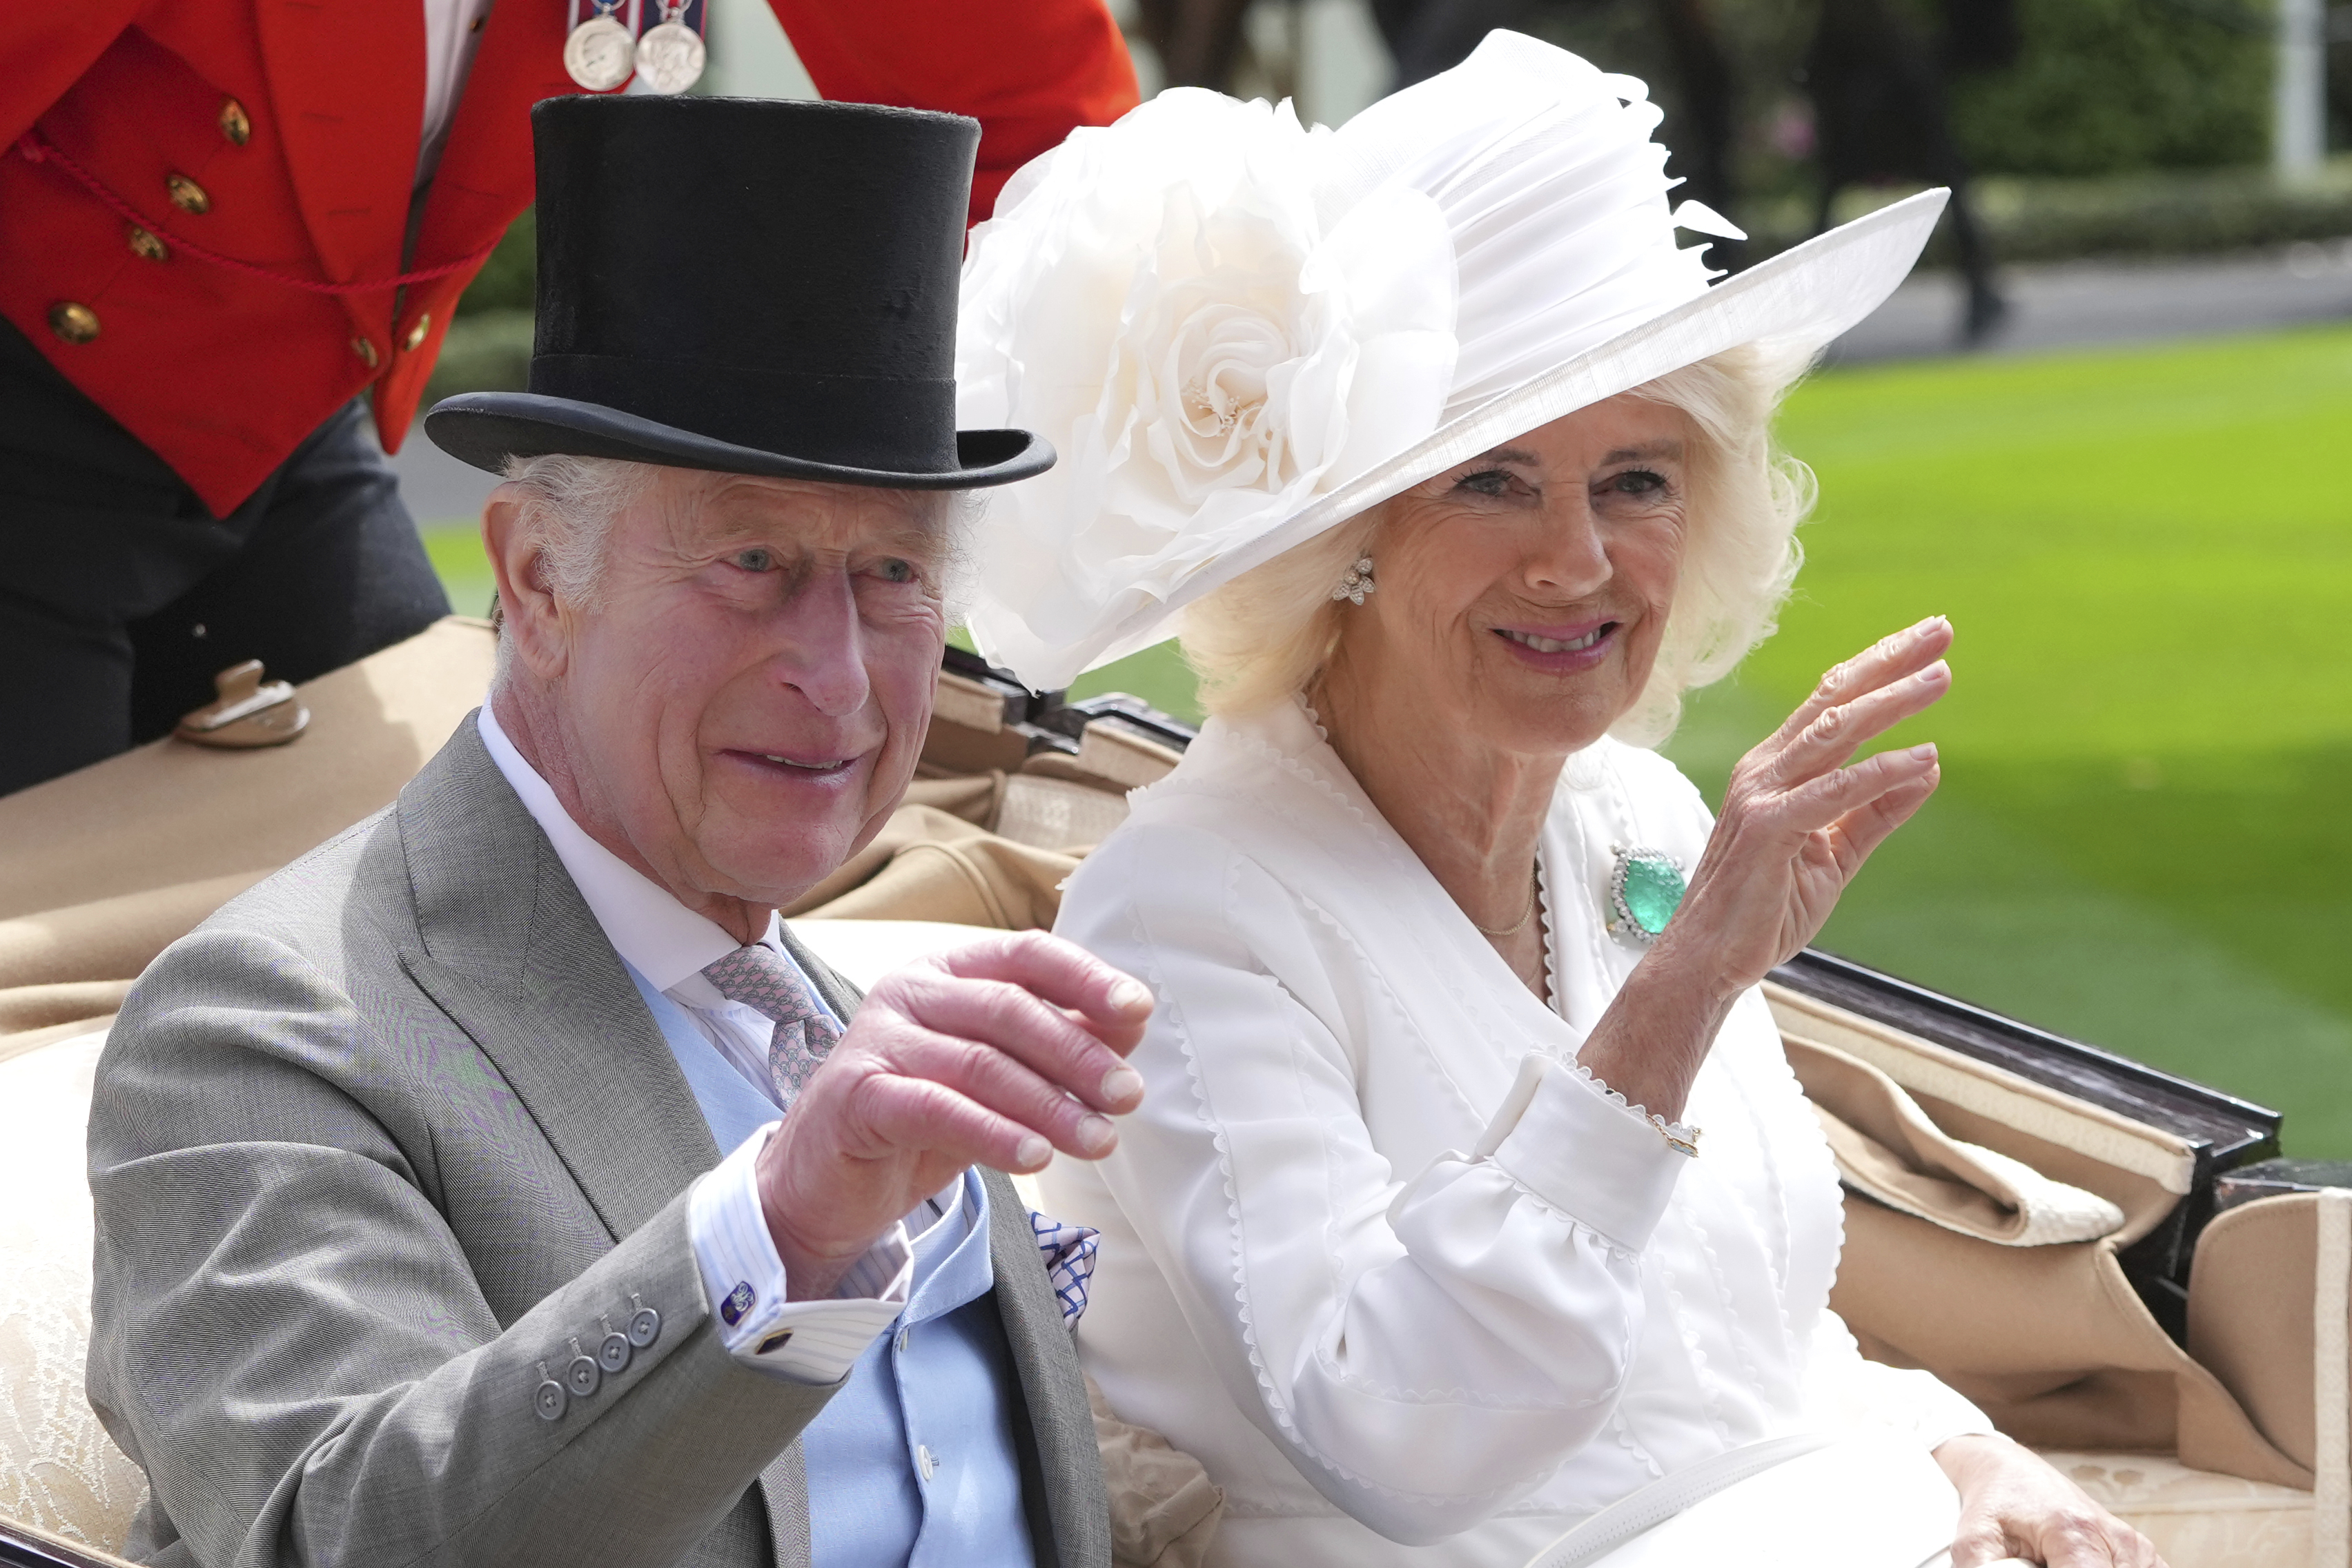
(2071, 304)
(2051, 306)
(436, 486)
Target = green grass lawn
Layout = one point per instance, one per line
(2144, 836)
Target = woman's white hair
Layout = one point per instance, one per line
(1269, 631)
(568, 505)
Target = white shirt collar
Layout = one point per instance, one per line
(658, 936)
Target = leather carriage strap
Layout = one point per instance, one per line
(1663, 1499)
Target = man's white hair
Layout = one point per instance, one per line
(1269, 631)
(568, 505)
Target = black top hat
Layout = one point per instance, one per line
(748, 285)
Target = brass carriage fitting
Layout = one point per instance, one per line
(248, 712)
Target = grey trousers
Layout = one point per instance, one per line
(121, 595)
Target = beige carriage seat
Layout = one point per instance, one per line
(1983, 1218)
(105, 867)
(60, 1472)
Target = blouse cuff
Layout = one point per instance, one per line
(1579, 1146)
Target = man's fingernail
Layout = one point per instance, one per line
(1096, 1133)
(1034, 1152)
(1121, 1083)
(1924, 753)
(1130, 995)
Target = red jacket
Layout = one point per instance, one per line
(293, 124)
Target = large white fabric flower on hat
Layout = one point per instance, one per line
(1210, 348)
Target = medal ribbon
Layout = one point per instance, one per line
(693, 14)
(37, 151)
(625, 12)
(642, 16)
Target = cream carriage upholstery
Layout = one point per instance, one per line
(100, 878)
(60, 1473)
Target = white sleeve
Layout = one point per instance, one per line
(799, 1341)
(1848, 1393)
(1427, 1344)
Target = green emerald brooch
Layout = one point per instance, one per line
(1643, 891)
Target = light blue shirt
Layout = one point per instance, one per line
(914, 1464)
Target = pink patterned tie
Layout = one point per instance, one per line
(768, 983)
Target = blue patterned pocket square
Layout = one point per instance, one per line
(1069, 1253)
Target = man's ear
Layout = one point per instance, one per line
(527, 613)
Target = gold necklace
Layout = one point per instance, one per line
(1534, 880)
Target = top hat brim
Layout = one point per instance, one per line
(485, 428)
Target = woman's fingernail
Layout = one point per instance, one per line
(1924, 753)
(1130, 997)
(1096, 1133)
(1122, 1083)
(1035, 1151)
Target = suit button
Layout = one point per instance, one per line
(366, 351)
(550, 1401)
(644, 1327)
(235, 123)
(186, 195)
(583, 1376)
(415, 338)
(75, 323)
(612, 1356)
(146, 246)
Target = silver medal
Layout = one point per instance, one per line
(671, 54)
(599, 54)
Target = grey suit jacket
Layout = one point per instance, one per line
(385, 1144)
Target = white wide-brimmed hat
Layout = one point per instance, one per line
(1239, 332)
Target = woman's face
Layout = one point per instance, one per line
(1521, 596)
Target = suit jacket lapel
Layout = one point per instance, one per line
(485, 174)
(348, 82)
(511, 953)
(1061, 1424)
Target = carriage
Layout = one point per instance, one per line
(2112, 1261)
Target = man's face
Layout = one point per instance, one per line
(746, 701)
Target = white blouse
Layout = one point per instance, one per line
(1407, 1303)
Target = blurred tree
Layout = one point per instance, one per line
(509, 280)
(1430, 35)
(1197, 39)
(2110, 86)
(1878, 82)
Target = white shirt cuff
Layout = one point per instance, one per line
(800, 1341)
(1566, 1137)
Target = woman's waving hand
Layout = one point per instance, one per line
(1798, 822)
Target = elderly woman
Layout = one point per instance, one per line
(1459, 473)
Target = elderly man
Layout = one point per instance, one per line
(415, 1242)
